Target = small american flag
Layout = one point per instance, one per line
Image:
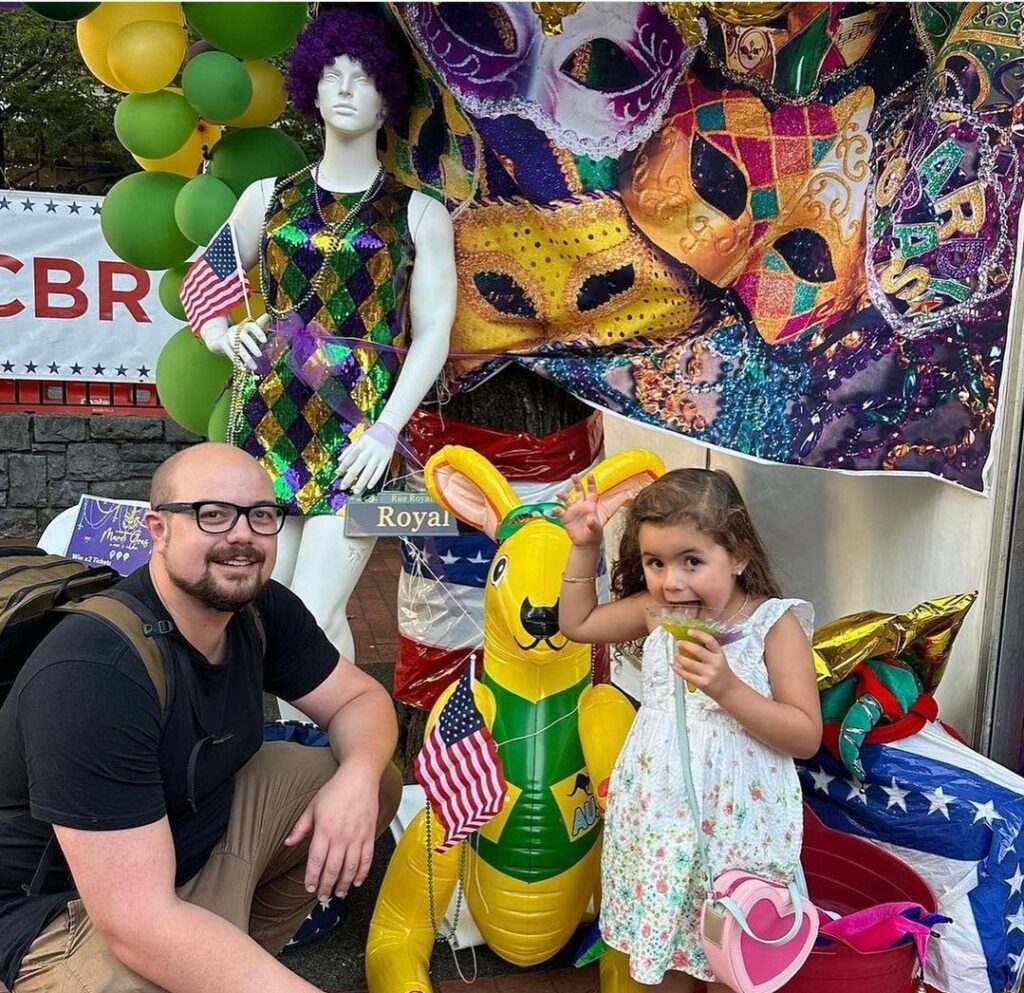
(215, 282)
(459, 769)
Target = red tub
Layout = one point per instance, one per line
(845, 873)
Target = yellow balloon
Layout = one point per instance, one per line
(96, 31)
(256, 306)
(146, 55)
(268, 95)
(187, 160)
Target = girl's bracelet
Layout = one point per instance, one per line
(578, 579)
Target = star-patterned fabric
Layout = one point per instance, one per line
(956, 817)
(318, 387)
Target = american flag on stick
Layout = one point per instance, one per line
(459, 768)
(215, 282)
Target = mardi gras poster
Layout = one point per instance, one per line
(784, 229)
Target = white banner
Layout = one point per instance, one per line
(70, 309)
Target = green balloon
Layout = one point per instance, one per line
(154, 125)
(248, 154)
(217, 85)
(202, 206)
(137, 220)
(63, 11)
(189, 379)
(168, 291)
(217, 429)
(248, 30)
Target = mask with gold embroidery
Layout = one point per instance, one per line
(770, 203)
(598, 87)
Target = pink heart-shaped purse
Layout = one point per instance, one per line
(756, 933)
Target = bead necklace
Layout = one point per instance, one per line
(336, 232)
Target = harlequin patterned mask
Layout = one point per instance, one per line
(599, 87)
(572, 272)
(770, 203)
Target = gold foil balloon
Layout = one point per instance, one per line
(96, 31)
(747, 14)
(922, 637)
(146, 55)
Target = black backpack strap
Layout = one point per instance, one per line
(254, 615)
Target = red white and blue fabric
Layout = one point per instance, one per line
(956, 817)
(215, 282)
(459, 768)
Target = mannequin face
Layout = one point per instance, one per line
(347, 97)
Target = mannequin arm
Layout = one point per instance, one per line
(218, 333)
(432, 295)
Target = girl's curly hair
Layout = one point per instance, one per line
(705, 499)
(367, 39)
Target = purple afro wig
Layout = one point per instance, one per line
(364, 37)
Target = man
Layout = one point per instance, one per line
(195, 849)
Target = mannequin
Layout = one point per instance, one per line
(379, 322)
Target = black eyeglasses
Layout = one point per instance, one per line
(215, 517)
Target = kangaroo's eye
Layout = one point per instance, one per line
(500, 565)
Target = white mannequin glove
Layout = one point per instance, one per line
(364, 461)
(219, 336)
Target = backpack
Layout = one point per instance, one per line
(38, 589)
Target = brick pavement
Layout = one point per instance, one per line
(372, 615)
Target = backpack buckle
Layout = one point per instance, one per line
(161, 627)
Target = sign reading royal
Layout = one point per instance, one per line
(397, 513)
(69, 308)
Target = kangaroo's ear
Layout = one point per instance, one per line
(466, 484)
(622, 476)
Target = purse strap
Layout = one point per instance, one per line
(797, 888)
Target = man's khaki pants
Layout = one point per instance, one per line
(250, 879)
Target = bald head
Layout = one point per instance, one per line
(210, 471)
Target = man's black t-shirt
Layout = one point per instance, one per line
(83, 744)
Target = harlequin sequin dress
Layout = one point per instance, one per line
(317, 388)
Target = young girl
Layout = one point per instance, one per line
(689, 539)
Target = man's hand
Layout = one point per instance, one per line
(342, 820)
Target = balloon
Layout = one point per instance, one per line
(268, 96)
(197, 48)
(217, 85)
(189, 379)
(187, 160)
(146, 55)
(248, 30)
(154, 124)
(241, 157)
(96, 31)
(202, 206)
(60, 11)
(137, 220)
(170, 284)
(256, 308)
(217, 427)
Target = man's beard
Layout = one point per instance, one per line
(223, 595)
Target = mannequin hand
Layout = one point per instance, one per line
(364, 461)
(579, 512)
(219, 337)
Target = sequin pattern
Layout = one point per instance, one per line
(313, 393)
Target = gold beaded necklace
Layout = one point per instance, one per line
(336, 232)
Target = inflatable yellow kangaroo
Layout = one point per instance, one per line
(532, 870)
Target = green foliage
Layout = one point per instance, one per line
(56, 119)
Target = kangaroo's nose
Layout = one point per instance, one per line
(541, 622)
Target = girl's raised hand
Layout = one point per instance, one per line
(579, 512)
(702, 663)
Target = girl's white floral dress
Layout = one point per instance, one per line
(752, 818)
